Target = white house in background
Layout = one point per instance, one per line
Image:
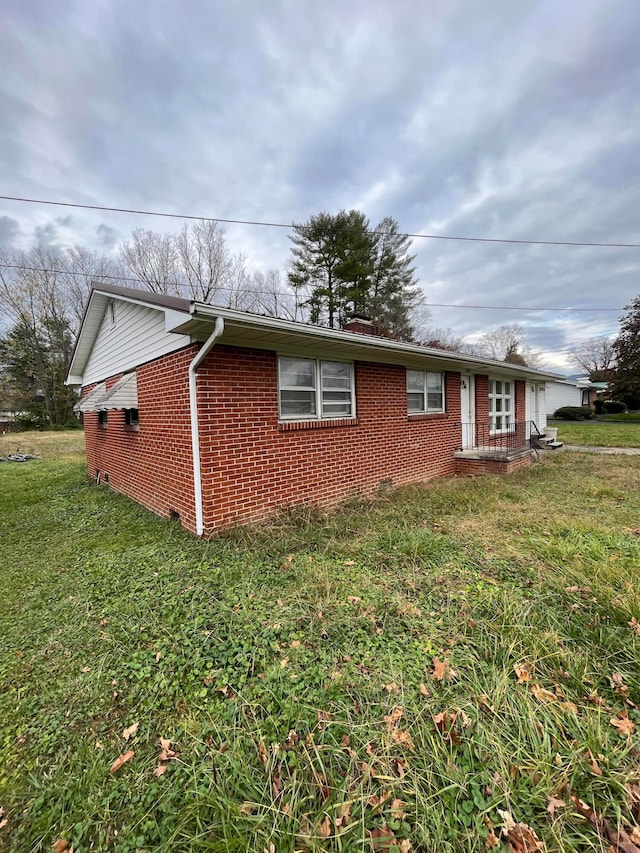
(569, 392)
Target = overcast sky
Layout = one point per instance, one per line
(493, 119)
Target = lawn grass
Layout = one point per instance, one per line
(291, 666)
(47, 444)
(598, 433)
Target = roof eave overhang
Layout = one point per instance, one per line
(254, 330)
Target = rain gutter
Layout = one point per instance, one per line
(195, 430)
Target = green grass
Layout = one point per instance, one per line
(633, 417)
(273, 659)
(598, 433)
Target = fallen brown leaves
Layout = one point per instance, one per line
(542, 694)
(383, 840)
(523, 672)
(622, 723)
(555, 803)
(447, 724)
(521, 838)
(130, 731)
(403, 738)
(62, 846)
(324, 828)
(621, 841)
(166, 755)
(442, 670)
(121, 760)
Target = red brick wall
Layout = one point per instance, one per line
(521, 400)
(467, 467)
(252, 464)
(154, 465)
(482, 399)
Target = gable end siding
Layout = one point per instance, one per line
(138, 336)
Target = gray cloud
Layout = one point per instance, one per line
(46, 235)
(9, 230)
(493, 119)
(107, 236)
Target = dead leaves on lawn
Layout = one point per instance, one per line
(523, 672)
(166, 755)
(621, 841)
(521, 838)
(121, 760)
(442, 670)
(130, 731)
(622, 723)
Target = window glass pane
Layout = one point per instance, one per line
(335, 403)
(336, 410)
(507, 388)
(492, 386)
(297, 403)
(497, 405)
(415, 381)
(336, 396)
(336, 374)
(297, 373)
(498, 385)
(498, 421)
(434, 382)
(415, 402)
(434, 401)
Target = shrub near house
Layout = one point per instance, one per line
(573, 413)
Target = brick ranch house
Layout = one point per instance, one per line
(218, 417)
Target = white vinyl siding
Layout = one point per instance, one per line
(501, 404)
(562, 394)
(425, 392)
(309, 388)
(138, 335)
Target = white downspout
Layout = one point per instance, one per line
(195, 431)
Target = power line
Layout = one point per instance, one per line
(265, 224)
(98, 276)
(513, 307)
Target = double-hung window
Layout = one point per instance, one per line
(500, 404)
(425, 392)
(314, 389)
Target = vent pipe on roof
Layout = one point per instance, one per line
(195, 429)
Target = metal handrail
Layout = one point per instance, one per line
(510, 439)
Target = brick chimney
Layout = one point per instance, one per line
(360, 325)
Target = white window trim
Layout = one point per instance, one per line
(426, 410)
(511, 415)
(318, 391)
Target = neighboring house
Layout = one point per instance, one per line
(218, 417)
(572, 392)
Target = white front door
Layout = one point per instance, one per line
(468, 409)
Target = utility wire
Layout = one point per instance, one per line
(99, 276)
(303, 227)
